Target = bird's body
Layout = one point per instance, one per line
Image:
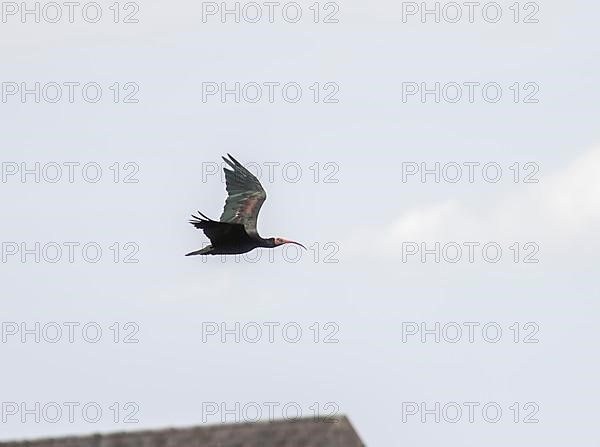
(226, 238)
(235, 232)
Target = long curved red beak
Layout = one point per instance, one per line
(287, 241)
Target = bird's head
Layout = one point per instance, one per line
(277, 241)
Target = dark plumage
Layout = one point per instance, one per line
(235, 232)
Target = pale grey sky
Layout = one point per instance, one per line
(367, 217)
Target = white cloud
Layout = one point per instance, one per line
(564, 206)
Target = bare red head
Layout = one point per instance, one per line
(277, 241)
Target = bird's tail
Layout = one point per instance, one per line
(204, 251)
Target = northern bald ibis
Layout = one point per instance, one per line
(235, 232)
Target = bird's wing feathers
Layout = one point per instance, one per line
(245, 196)
(219, 233)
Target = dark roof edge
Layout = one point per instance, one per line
(337, 419)
(347, 419)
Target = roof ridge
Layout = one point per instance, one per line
(343, 419)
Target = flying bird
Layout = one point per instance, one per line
(235, 232)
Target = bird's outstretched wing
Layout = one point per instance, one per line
(219, 233)
(245, 196)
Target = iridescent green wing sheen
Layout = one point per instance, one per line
(245, 196)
